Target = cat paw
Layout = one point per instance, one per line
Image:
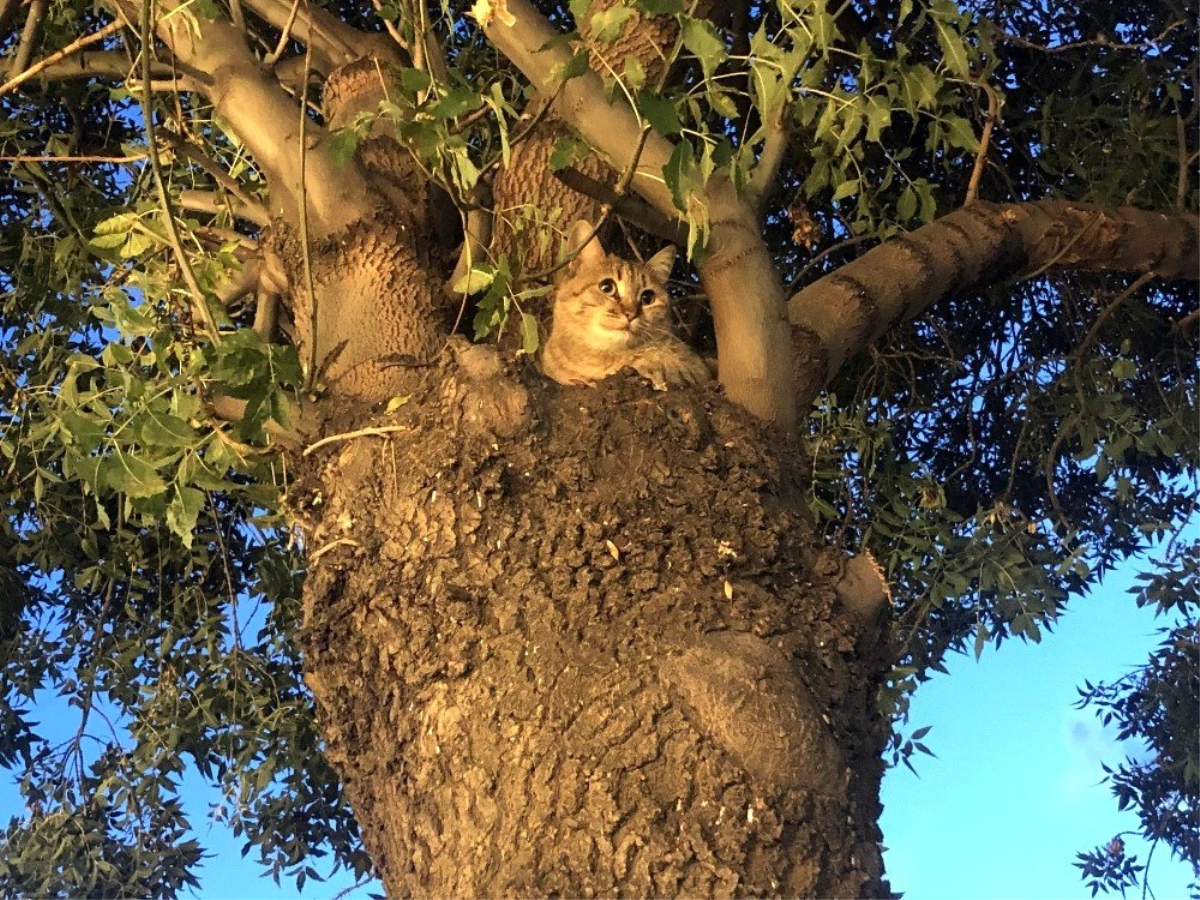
(671, 365)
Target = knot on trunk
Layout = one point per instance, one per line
(743, 693)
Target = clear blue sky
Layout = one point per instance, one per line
(1013, 794)
(1015, 791)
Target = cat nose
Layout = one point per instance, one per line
(630, 314)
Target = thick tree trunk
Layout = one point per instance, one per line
(578, 642)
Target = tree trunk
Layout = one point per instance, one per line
(580, 642)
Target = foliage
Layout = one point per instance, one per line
(998, 456)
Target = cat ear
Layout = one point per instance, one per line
(662, 262)
(589, 253)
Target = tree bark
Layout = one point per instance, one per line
(580, 642)
(840, 314)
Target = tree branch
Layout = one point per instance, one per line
(197, 295)
(632, 209)
(101, 64)
(265, 118)
(838, 315)
(211, 202)
(775, 144)
(223, 178)
(333, 43)
(985, 140)
(8, 11)
(29, 36)
(73, 47)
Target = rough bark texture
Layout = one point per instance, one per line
(577, 642)
(529, 182)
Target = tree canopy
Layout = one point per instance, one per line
(998, 442)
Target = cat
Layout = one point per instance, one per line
(611, 314)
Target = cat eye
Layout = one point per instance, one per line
(647, 298)
(607, 286)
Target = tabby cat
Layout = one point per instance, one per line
(611, 314)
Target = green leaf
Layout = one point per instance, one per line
(132, 476)
(702, 40)
(954, 51)
(166, 431)
(660, 7)
(722, 103)
(960, 134)
(633, 75)
(579, 11)
(476, 280)
(847, 189)
(981, 636)
(660, 113)
(455, 102)
(572, 68)
(679, 174)
(529, 334)
(921, 86)
(1124, 369)
(342, 144)
(183, 511)
(568, 150)
(413, 81)
(606, 25)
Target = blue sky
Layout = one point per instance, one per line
(1014, 793)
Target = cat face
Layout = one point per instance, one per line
(610, 302)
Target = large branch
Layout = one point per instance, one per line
(739, 276)
(333, 43)
(266, 119)
(100, 64)
(840, 314)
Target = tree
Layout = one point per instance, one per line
(275, 275)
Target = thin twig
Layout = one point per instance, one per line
(605, 208)
(73, 47)
(1181, 183)
(808, 267)
(209, 165)
(391, 29)
(1187, 321)
(339, 542)
(1094, 331)
(526, 131)
(284, 37)
(985, 141)
(633, 209)
(199, 301)
(116, 160)
(374, 431)
(1099, 41)
(1049, 264)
